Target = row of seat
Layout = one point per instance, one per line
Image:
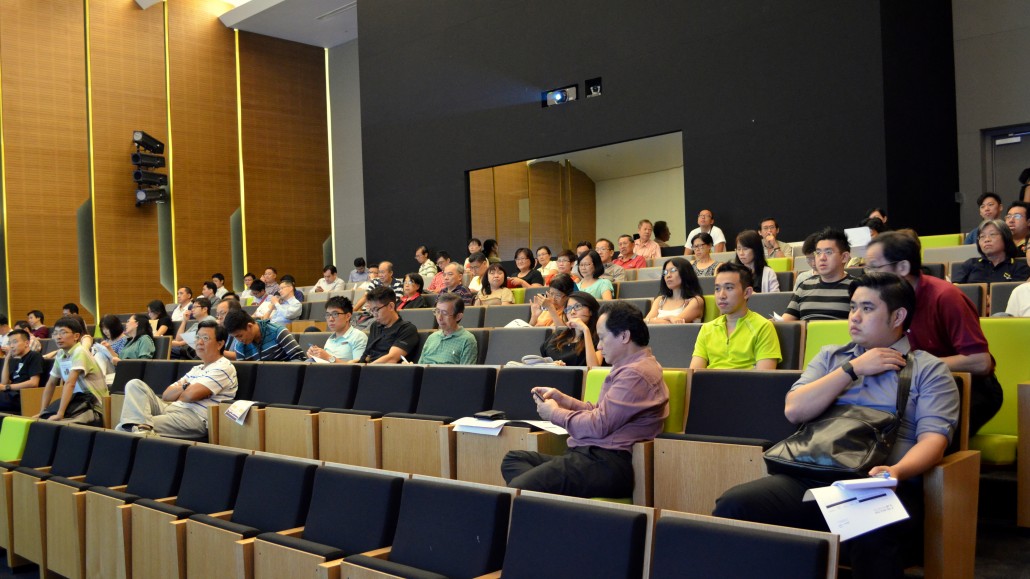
(159, 508)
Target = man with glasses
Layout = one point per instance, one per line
(426, 267)
(181, 410)
(824, 296)
(1016, 220)
(439, 281)
(451, 344)
(706, 224)
(808, 249)
(770, 231)
(225, 306)
(182, 343)
(606, 251)
(452, 279)
(627, 259)
(390, 339)
(478, 264)
(346, 343)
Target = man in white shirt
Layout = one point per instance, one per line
(184, 299)
(329, 282)
(426, 267)
(706, 224)
(219, 281)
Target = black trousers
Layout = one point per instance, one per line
(10, 401)
(583, 471)
(777, 500)
(985, 400)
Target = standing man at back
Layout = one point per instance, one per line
(824, 296)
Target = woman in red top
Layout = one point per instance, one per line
(412, 297)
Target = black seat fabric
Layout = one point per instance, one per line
(624, 534)
(162, 347)
(766, 304)
(278, 382)
(688, 549)
(388, 388)
(184, 367)
(158, 468)
(791, 336)
(499, 316)
(446, 529)
(125, 371)
(513, 395)
(422, 318)
(507, 344)
(740, 403)
(40, 444)
(482, 337)
(246, 373)
(308, 339)
(351, 512)
(112, 458)
(210, 479)
(159, 374)
(647, 288)
(71, 458)
(456, 391)
(329, 386)
(673, 344)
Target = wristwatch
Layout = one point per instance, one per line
(849, 370)
(332, 359)
(7, 387)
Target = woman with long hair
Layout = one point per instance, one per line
(576, 344)
(751, 254)
(141, 341)
(680, 298)
(495, 291)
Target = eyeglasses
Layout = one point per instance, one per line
(407, 282)
(825, 252)
(332, 315)
(870, 268)
(991, 235)
(573, 308)
(204, 338)
(670, 271)
(442, 313)
(699, 246)
(60, 333)
(564, 260)
(375, 311)
(1015, 216)
(555, 294)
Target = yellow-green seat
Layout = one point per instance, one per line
(819, 333)
(780, 263)
(13, 433)
(676, 380)
(519, 294)
(941, 240)
(1007, 339)
(711, 310)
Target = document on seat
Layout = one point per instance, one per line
(548, 426)
(852, 508)
(237, 411)
(494, 427)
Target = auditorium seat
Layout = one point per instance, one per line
(307, 339)
(780, 265)
(511, 344)
(352, 511)
(499, 316)
(156, 470)
(479, 456)
(14, 431)
(39, 452)
(126, 370)
(210, 479)
(765, 304)
(707, 283)
(473, 317)
(1000, 294)
(598, 539)
(109, 466)
(314, 311)
(422, 318)
(444, 529)
(977, 293)
(424, 442)
(275, 383)
(792, 341)
(482, 336)
(785, 279)
(246, 374)
(642, 304)
(819, 333)
(159, 374)
(162, 347)
(293, 429)
(352, 436)
(638, 289)
(274, 496)
(673, 344)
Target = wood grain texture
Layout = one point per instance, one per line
(545, 206)
(511, 194)
(206, 173)
(285, 155)
(128, 87)
(42, 47)
(481, 202)
(583, 210)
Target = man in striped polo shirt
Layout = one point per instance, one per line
(824, 296)
(261, 340)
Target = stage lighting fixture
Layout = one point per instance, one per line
(559, 96)
(152, 195)
(146, 160)
(148, 143)
(142, 177)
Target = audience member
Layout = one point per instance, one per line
(478, 263)
(329, 282)
(589, 268)
(945, 323)
(247, 294)
(270, 277)
(527, 275)
(706, 224)
(680, 298)
(751, 254)
(221, 310)
(1015, 219)
(808, 250)
(391, 338)
(739, 338)
(475, 246)
(261, 340)
(34, 344)
(38, 329)
(878, 213)
(548, 309)
(82, 402)
(451, 344)
(140, 345)
(359, 273)
(492, 251)
(632, 407)
(990, 209)
(443, 259)
(22, 369)
(182, 343)
(382, 278)
(606, 251)
(875, 227)
(565, 263)
(662, 233)
(771, 243)
(646, 247)
(627, 259)
(825, 296)
(543, 259)
(495, 292)
(5, 328)
(113, 331)
(371, 276)
(182, 409)
(865, 372)
(161, 322)
(220, 289)
(998, 261)
(412, 298)
(426, 267)
(69, 309)
(209, 290)
(346, 343)
(1019, 301)
(293, 282)
(184, 301)
(261, 300)
(286, 307)
(704, 264)
(453, 274)
(576, 344)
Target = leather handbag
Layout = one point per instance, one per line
(844, 442)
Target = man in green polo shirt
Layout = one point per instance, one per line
(739, 338)
(451, 344)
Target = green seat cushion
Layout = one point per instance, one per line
(995, 449)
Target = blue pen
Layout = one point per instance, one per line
(885, 474)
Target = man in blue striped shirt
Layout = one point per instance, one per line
(261, 340)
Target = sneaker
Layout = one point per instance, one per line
(143, 430)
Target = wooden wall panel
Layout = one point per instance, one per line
(42, 50)
(206, 173)
(545, 206)
(583, 210)
(481, 201)
(285, 155)
(128, 85)
(511, 193)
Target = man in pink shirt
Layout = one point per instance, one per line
(646, 247)
(632, 407)
(626, 258)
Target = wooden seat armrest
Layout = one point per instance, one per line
(119, 488)
(295, 532)
(77, 478)
(43, 469)
(224, 515)
(15, 462)
(381, 553)
(643, 473)
(166, 500)
(494, 575)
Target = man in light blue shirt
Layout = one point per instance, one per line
(346, 343)
(286, 306)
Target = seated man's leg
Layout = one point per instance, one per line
(178, 422)
(518, 462)
(773, 500)
(10, 402)
(581, 472)
(884, 552)
(985, 399)
(141, 405)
